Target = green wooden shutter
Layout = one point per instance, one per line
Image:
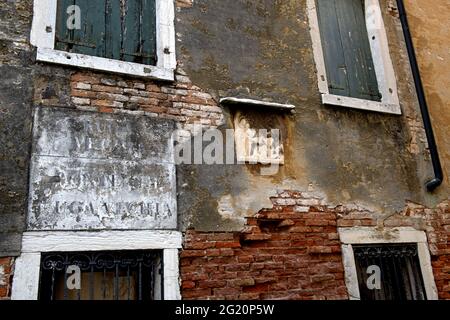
(348, 58)
(116, 29)
(90, 39)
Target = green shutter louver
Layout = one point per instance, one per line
(116, 29)
(345, 41)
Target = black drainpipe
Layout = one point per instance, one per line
(439, 176)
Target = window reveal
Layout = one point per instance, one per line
(399, 267)
(102, 276)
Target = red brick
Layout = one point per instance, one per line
(196, 245)
(227, 244)
(193, 253)
(196, 293)
(4, 292)
(188, 285)
(101, 88)
(227, 291)
(257, 288)
(211, 284)
(316, 222)
(80, 77)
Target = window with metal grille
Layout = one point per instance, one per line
(111, 275)
(117, 29)
(399, 271)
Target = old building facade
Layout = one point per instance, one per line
(92, 188)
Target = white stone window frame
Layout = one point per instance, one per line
(384, 69)
(26, 277)
(369, 236)
(43, 35)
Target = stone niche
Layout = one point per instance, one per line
(260, 136)
(95, 171)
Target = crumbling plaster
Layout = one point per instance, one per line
(262, 50)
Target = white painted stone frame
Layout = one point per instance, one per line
(43, 34)
(384, 69)
(370, 235)
(27, 267)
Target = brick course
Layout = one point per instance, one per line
(6, 271)
(180, 101)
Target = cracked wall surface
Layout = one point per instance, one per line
(343, 167)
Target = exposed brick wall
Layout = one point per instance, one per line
(441, 268)
(6, 270)
(283, 253)
(437, 225)
(292, 251)
(180, 101)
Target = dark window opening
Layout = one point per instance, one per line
(346, 47)
(399, 272)
(127, 275)
(117, 29)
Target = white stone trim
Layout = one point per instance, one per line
(370, 235)
(25, 285)
(165, 35)
(171, 277)
(232, 100)
(43, 29)
(351, 277)
(70, 241)
(27, 268)
(43, 37)
(362, 104)
(384, 69)
(365, 235)
(103, 64)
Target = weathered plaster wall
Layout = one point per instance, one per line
(430, 29)
(369, 169)
(262, 50)
(256, 49)
(16, 89)
(429, 26)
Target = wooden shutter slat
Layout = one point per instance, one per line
(333, 52)
(367, 59)
(148, 31)
(131, 42)
(113, 29)
(350, 39)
